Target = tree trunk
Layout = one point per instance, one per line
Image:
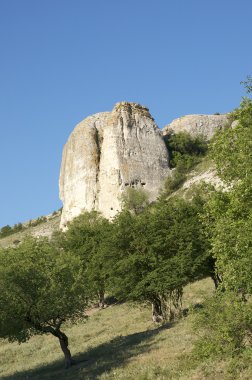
(101, 299)
(171, 305)
(64, 346)
(216, 279)
(157, 311)
(55, 331)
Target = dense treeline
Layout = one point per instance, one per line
(147, 254)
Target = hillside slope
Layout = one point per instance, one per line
(45, 228)
(203, 172)
(120, 342)
(131, 348)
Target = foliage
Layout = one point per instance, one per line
(40, 288)
(120, 342)
(185, 150)
(225, 325)
(173, 182)
(8, 230)
(248, 84)
(232, 148)
(156, 253)
(87, 237)
(229, 215)
(135, 200)
(225, 320)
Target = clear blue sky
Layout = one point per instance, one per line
(62, 60)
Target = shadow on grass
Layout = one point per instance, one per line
(95, 361)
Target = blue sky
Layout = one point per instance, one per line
(62, 60)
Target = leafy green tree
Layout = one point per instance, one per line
(156, 253)
(88, 237)
(225, 320)
(229, 214)
(231, 149)
(41, 287)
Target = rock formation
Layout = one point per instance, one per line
(197, 125)
(105, 154)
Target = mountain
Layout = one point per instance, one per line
(105, 154)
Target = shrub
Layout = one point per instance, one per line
(225, 326)
(185, 149)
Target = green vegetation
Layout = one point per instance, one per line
(36, 222)
(185, 151)
(40, 288)
(135, 200)
(88, 238)
(8, 230)
(226, 318)
(19, 227)
(118, 342)
(45, 229)
(149, 255)
(156, 253)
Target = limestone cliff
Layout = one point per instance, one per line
(108, 152)
(197, 125)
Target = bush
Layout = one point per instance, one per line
(185, 149)
(135, 200)
(225, 326)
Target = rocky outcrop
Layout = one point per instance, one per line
(105, 154)
(197, 125)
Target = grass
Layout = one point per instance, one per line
(119, 342)
(45, 228)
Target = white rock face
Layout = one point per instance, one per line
(105, 154)
(197, 125)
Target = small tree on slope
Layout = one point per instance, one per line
(40, 288)
(156, 253)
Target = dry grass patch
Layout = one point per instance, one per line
(119, 342)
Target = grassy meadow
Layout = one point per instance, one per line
(119, 342)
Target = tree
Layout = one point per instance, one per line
(225, 319)
(231, 149)
(87, 237)
(41, 287)
(229, 214)
(156, 253)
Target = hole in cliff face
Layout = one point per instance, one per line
(111, 208)
(135, 183)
